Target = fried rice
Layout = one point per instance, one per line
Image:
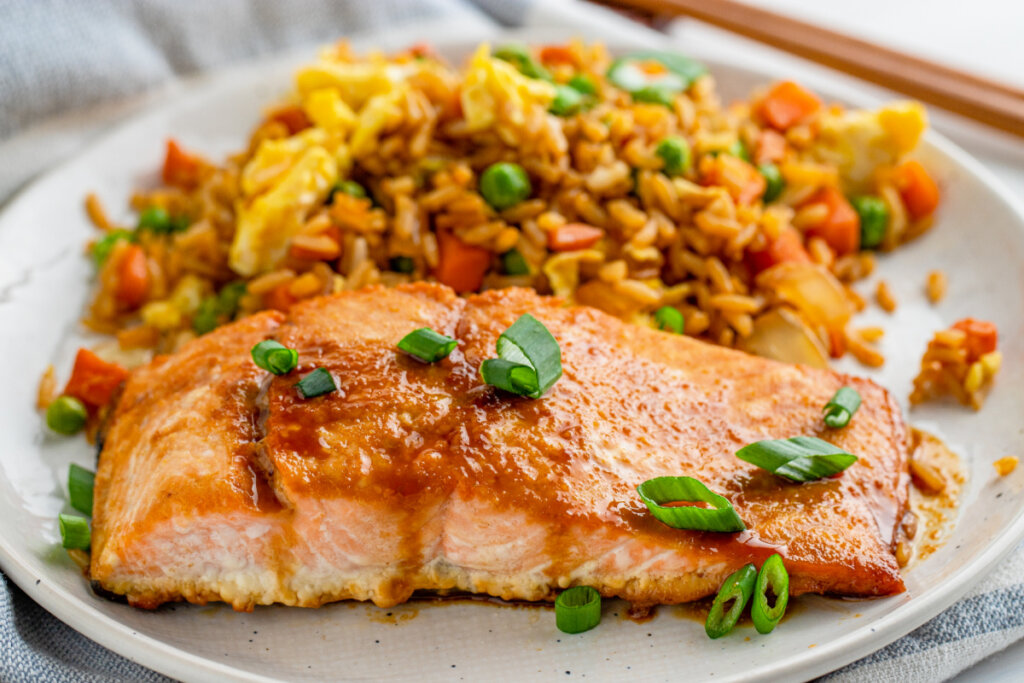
(369, 172)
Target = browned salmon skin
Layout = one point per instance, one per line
(217, 481)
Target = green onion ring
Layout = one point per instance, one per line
(74, 532)
(578, 609)
(719, 517)
(80, 486)
(841, 407)
(799, 459)
(426, 345)
(669, 318)
(316, 383)
(772, 575)
(529, 360)
(275, 357)
(738, 588)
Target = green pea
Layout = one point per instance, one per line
(675, 152)
(155, 219)
(583, 83)
(739, 150)
(66, 415)
(773, 181)
(102, 247)
(504, 184)
(568, 101)
(207, 317)
(874, 220)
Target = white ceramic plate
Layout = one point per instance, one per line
(978, 241)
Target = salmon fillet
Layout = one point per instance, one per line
(216, 481)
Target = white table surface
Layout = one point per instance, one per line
(983, 36)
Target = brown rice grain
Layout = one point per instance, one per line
(885, 297)
(936, 286)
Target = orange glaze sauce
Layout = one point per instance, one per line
(938, 477)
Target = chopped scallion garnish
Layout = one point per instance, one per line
(669, 318)
(577, 609)
(275, 357)
(427, 345)
(529, 360)
(773, 576)
(80, 486)
(719, 516)
(513, 263)
(841, 407)
(737, 589)
(74, 532)
(801, 458)
(316, 383)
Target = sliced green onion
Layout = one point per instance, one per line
(529, 360)
(316, 383)
(737, 589)
(670, 319)
(102, 247)
(578, 609)
(774, 183)
(739, 150)
(841, 407)
(275, 357)
(772, 575)
(230, 296)
(80, 485)
(583, 83)
(874, 220)
(74, 532)
(66, 415)
(801, 458)
(719, 517)
(402, 264)
(655, 94)
(427, 345)
(675, 154)
(349, 187)
(519, 57)
(513, 263)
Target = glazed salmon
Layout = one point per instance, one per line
(217, 481)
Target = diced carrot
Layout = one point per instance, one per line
(557, 54)
(836, 343)
(788, 246)
(132, 277)
(788, 104)
(982, 337)
(771, 146)
(94, 380)
(841, 227)
(742, 181)
(919, 192)
(422, 49)
(181, 169)
(652, 67)
(461, 266)
(573, 237)
(292, 117)
(280, 298)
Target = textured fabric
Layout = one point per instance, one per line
(62, 58)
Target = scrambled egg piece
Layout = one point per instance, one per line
(268, 222)
(858, 142)
(494, 91)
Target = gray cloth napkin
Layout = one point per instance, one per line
(91, 64)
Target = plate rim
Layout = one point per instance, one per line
(175, 661)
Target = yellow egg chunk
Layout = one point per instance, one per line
(494, 91)
(267, 223)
